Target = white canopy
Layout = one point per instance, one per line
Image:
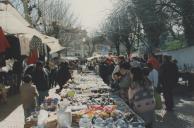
(53, 44)
(96, 57)
(70, 58)
(13, 23)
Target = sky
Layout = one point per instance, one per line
(91, 13)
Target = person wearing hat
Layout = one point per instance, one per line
(152, 60)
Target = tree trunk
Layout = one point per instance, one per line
(117, 46)
(26, 11)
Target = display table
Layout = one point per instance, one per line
(92, 98)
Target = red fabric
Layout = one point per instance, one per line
(129, 56)
(32, 59)
(3, 42)
(155, 63)
(109, 60)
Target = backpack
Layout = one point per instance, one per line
(143, 99)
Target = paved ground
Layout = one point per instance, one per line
(11, 114)
(183, 116)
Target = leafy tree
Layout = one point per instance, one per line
(182, 13)
(153, 22)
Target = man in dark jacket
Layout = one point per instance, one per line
(63, 74)
(168, 77)
(40, 78)
(104, 72)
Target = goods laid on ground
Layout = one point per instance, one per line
(85, 103)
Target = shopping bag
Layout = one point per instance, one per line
(158, 100)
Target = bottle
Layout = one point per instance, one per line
(85, 122)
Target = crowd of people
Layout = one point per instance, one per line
(38, 79)
(139, 82)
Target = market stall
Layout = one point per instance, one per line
(13, 23)
(85, 102)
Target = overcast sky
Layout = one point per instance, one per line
(91, 12)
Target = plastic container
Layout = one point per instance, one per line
(64, 118)
(43, 115)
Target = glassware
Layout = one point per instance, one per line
(120, 123)
(99, 123)
(109, 123)
(85, 122)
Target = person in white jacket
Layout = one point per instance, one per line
(153, 76)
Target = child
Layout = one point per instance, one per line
(28, 95)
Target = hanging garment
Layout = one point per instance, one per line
(36, 43)
(14, 50)
(24, 45)
(3, 42)
(33, 58)
(2, 60)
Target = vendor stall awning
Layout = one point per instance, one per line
(52, 42)
(69, 58)
(13, 23)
